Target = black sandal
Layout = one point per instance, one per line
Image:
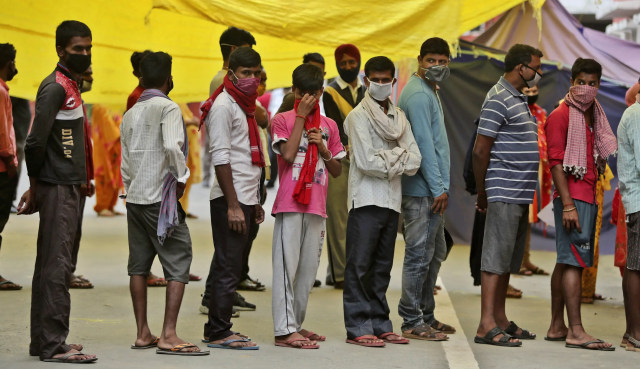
(525, 335)
(504, 341)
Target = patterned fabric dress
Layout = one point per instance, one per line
(106, 157)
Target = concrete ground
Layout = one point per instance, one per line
(102, 318)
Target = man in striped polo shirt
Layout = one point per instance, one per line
(505, 163)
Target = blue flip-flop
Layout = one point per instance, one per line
(227, 345)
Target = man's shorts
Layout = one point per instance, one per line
(505, 235)
(633, 241)
(576, 248)
(174, 255)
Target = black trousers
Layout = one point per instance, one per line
(230, 252)
(371, 238)
(76, 241)
(59, 208)
(475, 253)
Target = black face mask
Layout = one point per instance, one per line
(12, 73)
(78, 63)
(532, 99)
(349, 75)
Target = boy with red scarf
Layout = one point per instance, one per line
(308, 145)
(579, 141)
(236, 152)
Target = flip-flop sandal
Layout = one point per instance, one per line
(360, 341)
(206, 340)
(80, 283)
(513, 292)
(555, 339)
(525, 335)
(525, 271)
(625, 337)
(585, 346)
(289, 344)
(633, 345)
(153, 344)
(314, 336)
(444, 328)
(227, 345)
(540, 271)
(503, 341)
(400, 341)
(178, 350)
(14, 287)
(66, 359)
(417, 333)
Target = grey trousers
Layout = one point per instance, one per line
(337, 214)
(297, 245)
(59, 208)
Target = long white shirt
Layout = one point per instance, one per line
(369, 182)
(151, 136)
(228, 133)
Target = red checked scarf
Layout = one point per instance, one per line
(302, 191)
(248, 105)
(579, 99)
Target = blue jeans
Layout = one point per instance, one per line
(425, 250)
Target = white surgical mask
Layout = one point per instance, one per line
(380, 91)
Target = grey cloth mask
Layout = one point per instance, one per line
(437, 73)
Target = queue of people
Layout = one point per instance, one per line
(344, 177)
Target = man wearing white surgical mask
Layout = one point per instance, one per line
(425, 196)
(382, 150)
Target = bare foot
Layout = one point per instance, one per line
(312, 335)
(242, 341)
(74, 357)
(146, 340)
(557, 332)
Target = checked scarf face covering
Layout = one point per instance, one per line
(579, 99)
(302, 191)
(248, 104)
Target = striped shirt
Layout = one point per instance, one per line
(513, 168)
(628, 158)
(152, 134)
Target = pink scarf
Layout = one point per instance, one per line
(579, 99)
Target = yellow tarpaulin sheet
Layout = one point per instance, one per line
(189, 30)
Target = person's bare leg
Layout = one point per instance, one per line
(138, 288)
(572, 292)
(169, 338)
(489, 290)
(557, 327)
(632, 302)
(499, 312)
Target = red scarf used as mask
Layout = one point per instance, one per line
(248, 105)
(302, 191)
